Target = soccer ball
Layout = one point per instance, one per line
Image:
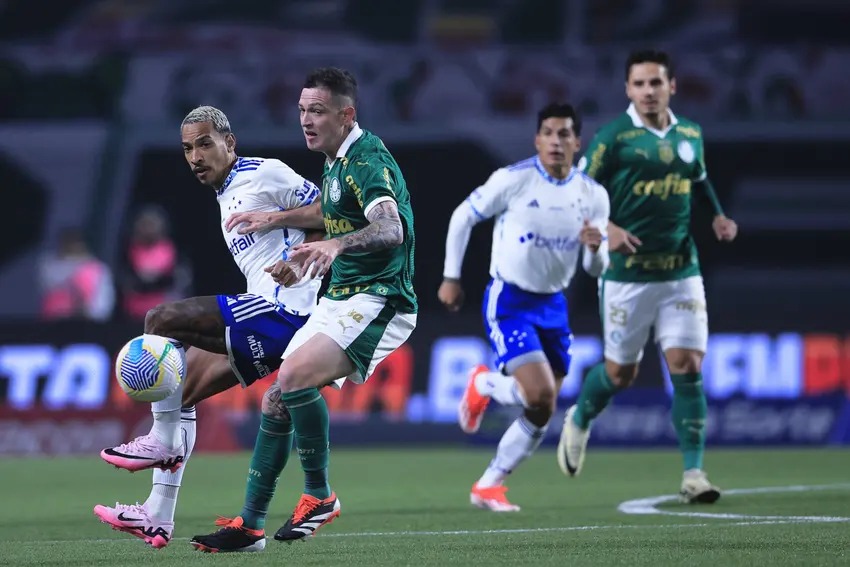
(149, 368)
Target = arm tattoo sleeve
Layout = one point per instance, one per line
(384, 230)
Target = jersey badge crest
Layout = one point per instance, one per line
(665, 152)
(686, 151)
(335, 190)
(582, 164)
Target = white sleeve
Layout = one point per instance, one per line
(595, 263)
(493, 197)
(485, 202)
(286, 188)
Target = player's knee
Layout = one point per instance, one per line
(539, 417)
(294, 376)
(621, 375)
(157, 320)
(541, 398)
(273, 406)
(683, 361)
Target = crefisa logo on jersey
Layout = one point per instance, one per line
(555, 243)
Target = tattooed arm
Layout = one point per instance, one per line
(384, 231)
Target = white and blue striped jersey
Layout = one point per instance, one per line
(258, 184)
(538, 220)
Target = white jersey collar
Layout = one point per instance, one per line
(636, 120)
(352, 137)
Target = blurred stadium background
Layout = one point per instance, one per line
(92, 93)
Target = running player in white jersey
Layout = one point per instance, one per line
(238, 339)
(546, 212)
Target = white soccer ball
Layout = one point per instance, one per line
(149, 368)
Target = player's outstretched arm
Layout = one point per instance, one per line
(309, 216)
(384, 231)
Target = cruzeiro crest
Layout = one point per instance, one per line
(335, 191)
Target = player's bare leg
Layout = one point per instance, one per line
(207, 374)
(688, 414)
(196, 321)
(533, 386)
(601, 384)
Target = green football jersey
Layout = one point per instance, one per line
(364, 174)
(649, 175)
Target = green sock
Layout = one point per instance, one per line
(595, 394)
(688, 415)
(310, 417)
(271, 451)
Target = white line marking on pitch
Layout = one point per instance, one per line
(643, 506)
(762, 521)
(640, 506)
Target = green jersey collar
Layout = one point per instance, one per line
(352, 137)
(633, 114)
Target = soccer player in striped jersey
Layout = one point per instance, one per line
(547, 214)
(236, 339)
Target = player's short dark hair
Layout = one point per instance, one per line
(558, 110)
(649, 56)
(339, 82)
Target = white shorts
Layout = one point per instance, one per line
(676, 309)
(363, 325)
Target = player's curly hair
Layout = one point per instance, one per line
(339, 82)
(649, 56)
(559, 110)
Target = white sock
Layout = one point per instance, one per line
(162, 501)
(166, 413)
(518, 443)
(503, 389)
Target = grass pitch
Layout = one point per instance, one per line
(411, 507)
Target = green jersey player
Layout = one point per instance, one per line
(651, 161)
(370, 307)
